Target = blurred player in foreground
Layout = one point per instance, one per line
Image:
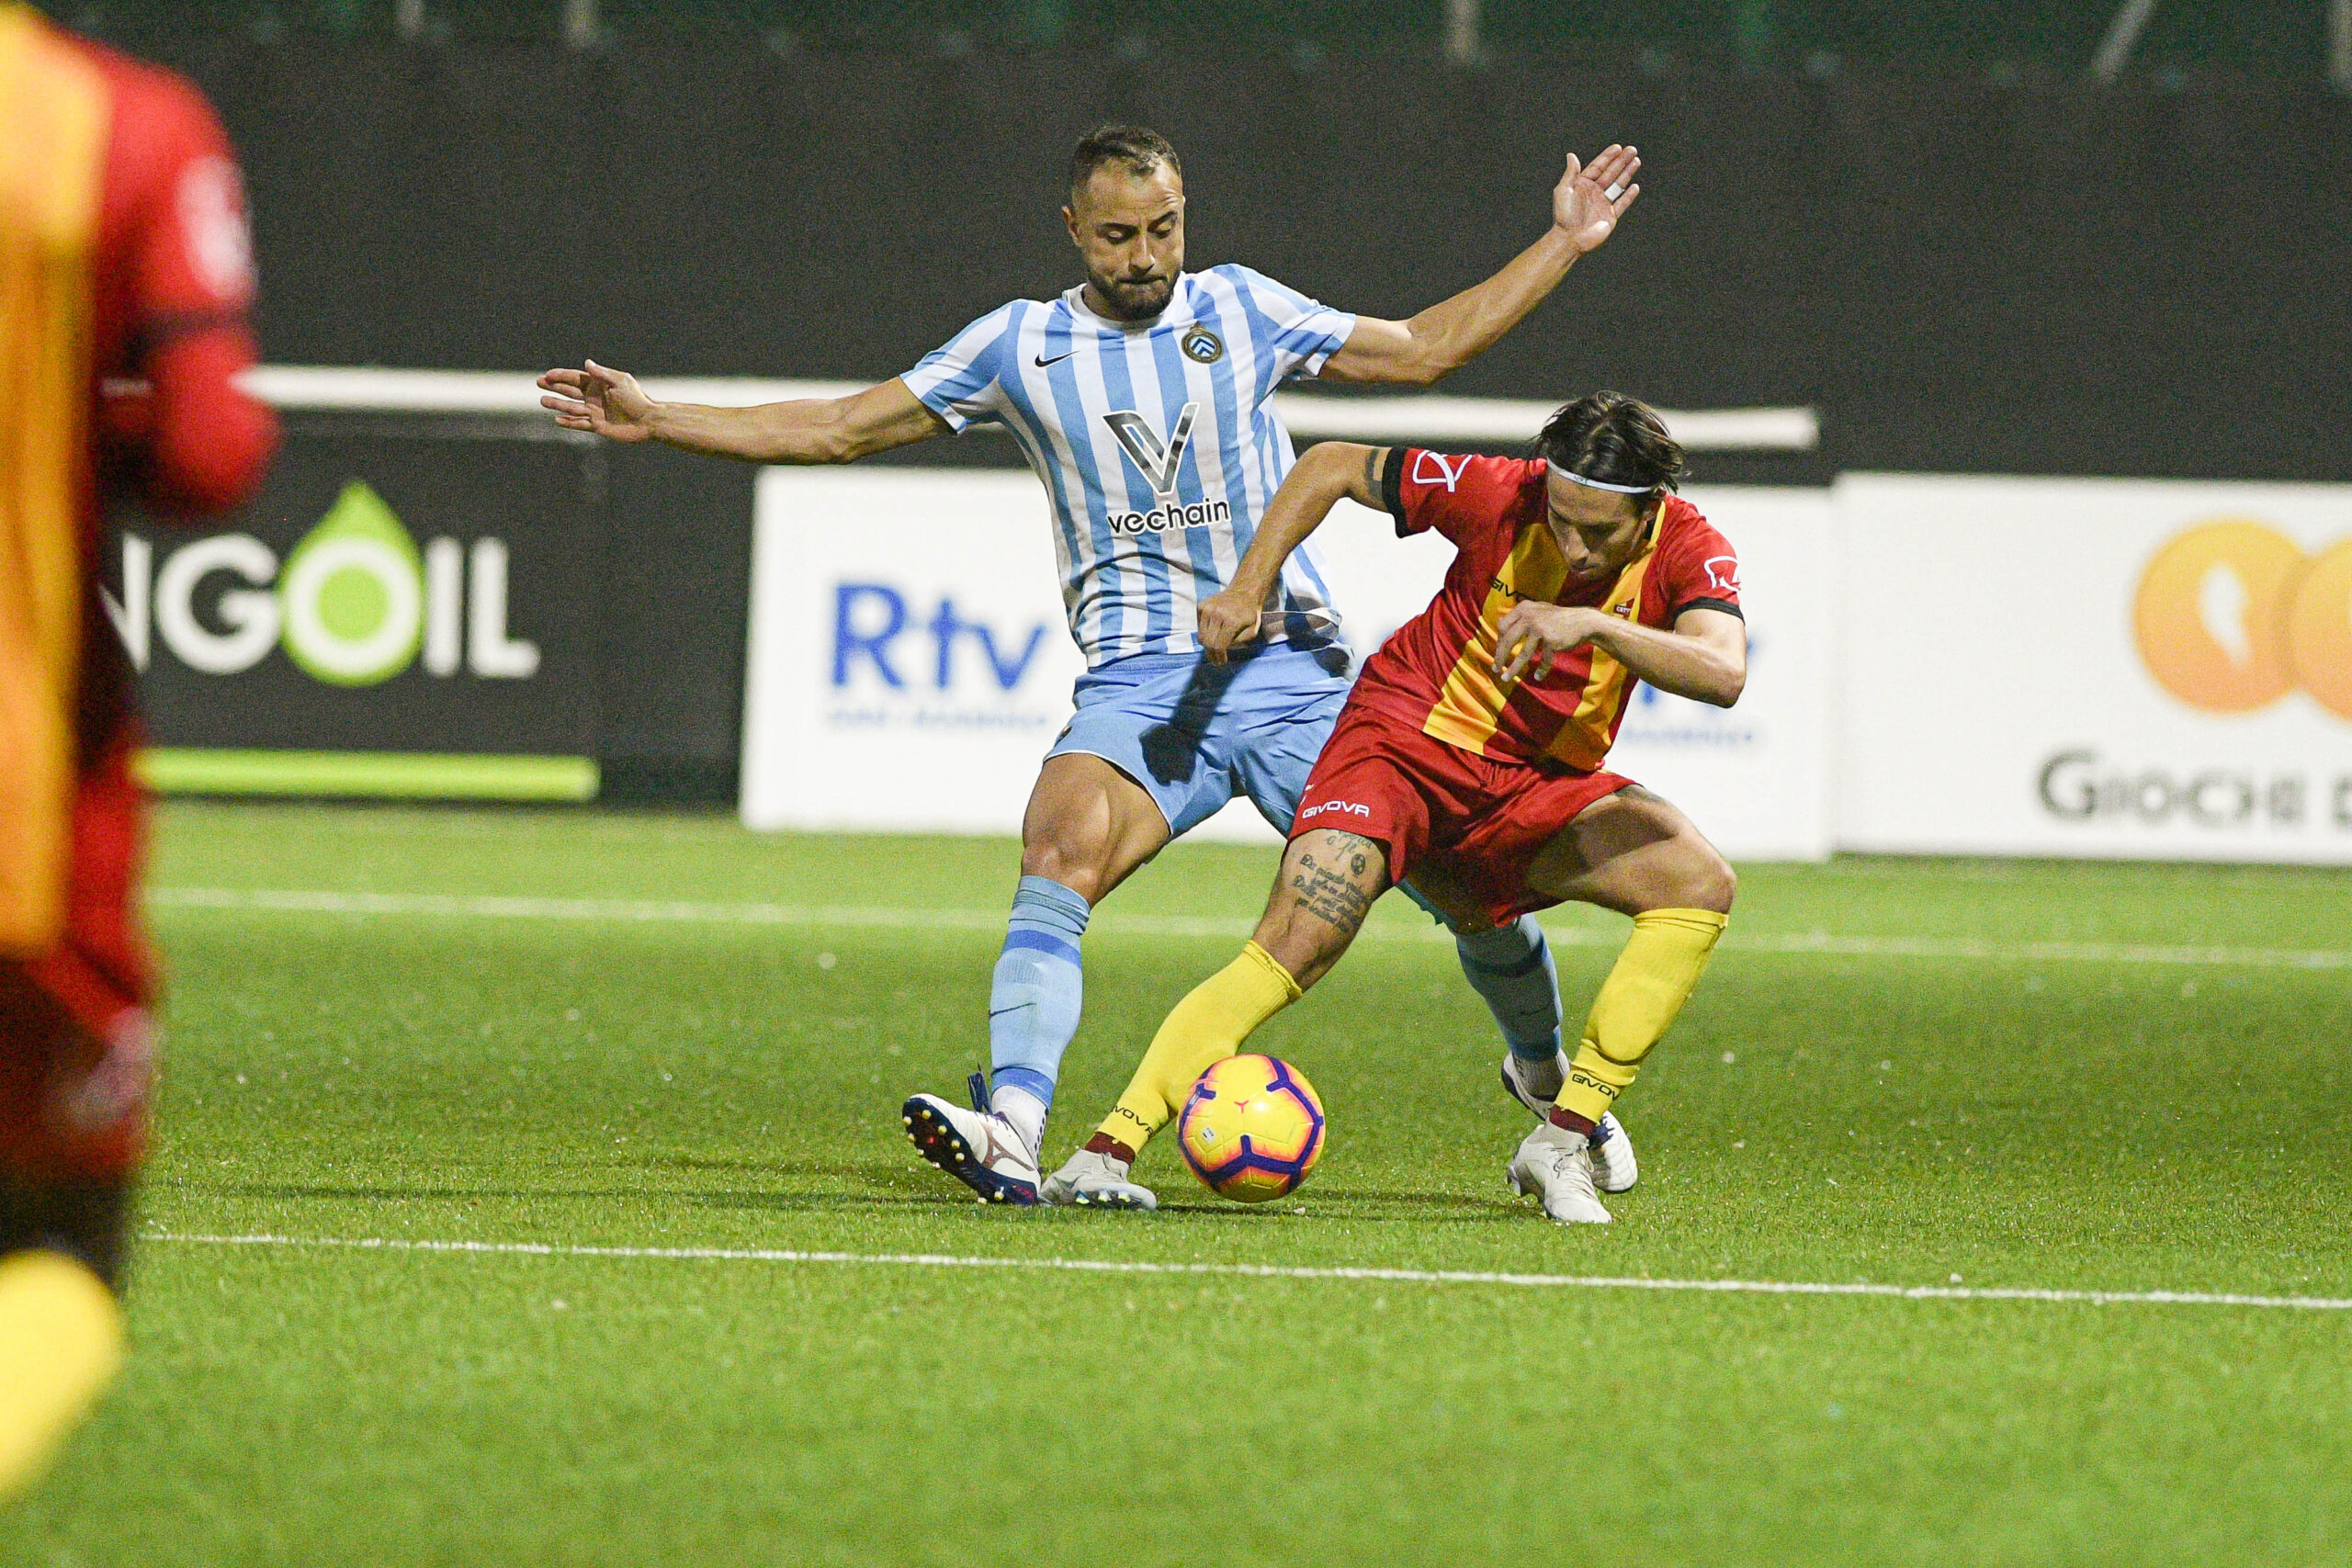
(1140, 399)
(1469, 758)
(125, 274)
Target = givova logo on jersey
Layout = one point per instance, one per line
(1161, 464)
(353, 604)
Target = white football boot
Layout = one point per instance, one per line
(977, 1147)
(1552, 1164)
(1611, 1151)
(1097, 1181)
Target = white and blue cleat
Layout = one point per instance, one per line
(1610, 1149)
(977, 1147)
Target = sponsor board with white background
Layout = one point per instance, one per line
(2095, 667)
(910, 664)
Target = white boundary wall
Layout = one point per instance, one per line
(2002, 666)
(2132, 669)
(1996, 666)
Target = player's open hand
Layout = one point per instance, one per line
(609, 403)
(1228, 617)
(1587, 202)
(1534, 635)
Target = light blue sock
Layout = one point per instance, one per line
(1040, 983)
(1512, 967)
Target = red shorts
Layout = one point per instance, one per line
(74, 1043)
(1474, 823)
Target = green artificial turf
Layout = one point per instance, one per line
(1928, 1095)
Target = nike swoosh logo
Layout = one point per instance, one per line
(1056, 359)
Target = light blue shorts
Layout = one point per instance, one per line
(1196, 734)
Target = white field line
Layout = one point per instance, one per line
(1281, 1271)
(627, 911)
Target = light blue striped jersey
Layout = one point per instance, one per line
(1153, 440)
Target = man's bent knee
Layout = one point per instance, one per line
(1709, 883)
(1087, 827)
(1081, 868)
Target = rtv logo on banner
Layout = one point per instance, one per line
(909, 661)
(951, 664)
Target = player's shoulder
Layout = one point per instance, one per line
(1250, 287)
(983, 332)
(1466, 473)
(1461, 494)
(1697, 563)
(136, 89)
(1685, 530)
(153, 97)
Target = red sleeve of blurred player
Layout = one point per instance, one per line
(1696, 566)
(176, 282)
(1461, 497)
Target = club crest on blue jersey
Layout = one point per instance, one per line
(1204, 346)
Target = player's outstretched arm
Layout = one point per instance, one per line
(810, 430)
(1586, 206)
(1703, 656)
(1329, 473)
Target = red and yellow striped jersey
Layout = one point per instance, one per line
(1437, 672)
(125, 277)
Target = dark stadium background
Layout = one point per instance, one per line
(1939, 227)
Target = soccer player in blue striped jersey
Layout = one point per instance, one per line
(1139, 398)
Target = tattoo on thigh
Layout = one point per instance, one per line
(1330, 881)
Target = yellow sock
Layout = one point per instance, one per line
(61, 1339)
(1205, 1029)
(1653, 977)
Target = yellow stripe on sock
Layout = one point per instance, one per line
(1203, 1029)
(1645, 989)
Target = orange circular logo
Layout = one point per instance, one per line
(2319, 629)
(2230, 615)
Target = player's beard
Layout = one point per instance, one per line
(1134, 301)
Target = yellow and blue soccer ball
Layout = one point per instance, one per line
(1251, 1129)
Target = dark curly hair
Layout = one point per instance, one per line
(1615, 439)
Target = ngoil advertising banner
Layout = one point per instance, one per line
(405, 610)
(2095, 667)
(910, 664)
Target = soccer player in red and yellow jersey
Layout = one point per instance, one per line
(1469, 757)
(125, 274)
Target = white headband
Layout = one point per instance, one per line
(1597, 484)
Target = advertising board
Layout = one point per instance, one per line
(2095, 667)
(910, 664)
(398, 613)
(909, 661)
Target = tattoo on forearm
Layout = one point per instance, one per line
(1334, 883)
